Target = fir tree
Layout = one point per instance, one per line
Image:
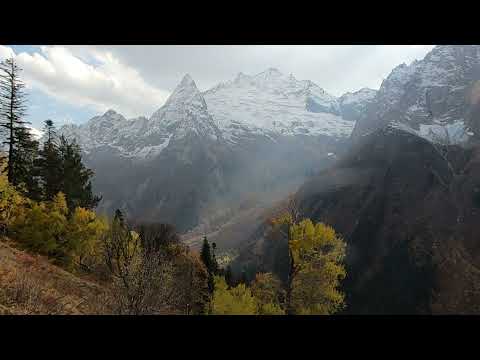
(206, 254)
(22, 148)
(24, 167)
(215, 269)
(207, 259)
(49, 163)
(76, 178)
(118, 217)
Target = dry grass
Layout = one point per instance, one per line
(32, 285)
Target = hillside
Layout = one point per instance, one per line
(408, 211)
(30, 284)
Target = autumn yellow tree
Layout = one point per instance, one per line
(316, 255)
(84, 235)
(267, 289)
(42, 226)
(234, 301)
(47, 227)
(12, 202)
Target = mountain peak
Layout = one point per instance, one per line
(185, 111)
(241, 76)
(270, 72)
(187, 81)
(110, 113)
(187, 85)
(185, 92)
(109, 116)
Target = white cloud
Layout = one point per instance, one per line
(336, 68)
(6, 52)
(107, 84)
(136, 80)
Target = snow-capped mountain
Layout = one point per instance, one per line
(354, 104)
(248, 135)
(266, 105)
(185, 112)
(431, 97)
(271, 102)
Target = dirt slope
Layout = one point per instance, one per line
(30, 284)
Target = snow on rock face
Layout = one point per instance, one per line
(266, 105)
(185, 112)
(430, 93)
(271, 102)
(353, 105)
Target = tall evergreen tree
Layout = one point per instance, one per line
(76, 178)
(24, 167)
(215, 269)
(118, 217)
(49, 163)
(207, 259)
(206, 254)
(21, 146)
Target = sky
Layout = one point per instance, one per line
(71, 84)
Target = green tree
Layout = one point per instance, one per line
(49, 163)
(76, 178)
(22, 148)
(214, 262)
(208, 261)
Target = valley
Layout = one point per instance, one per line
(264, 177)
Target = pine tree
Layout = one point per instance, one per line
(76, 178)
(215, 269)
(118, 217)
(18, 139)
(206, 257)
(49, 163)
(206, 254)
(25, 169)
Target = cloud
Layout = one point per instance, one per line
(108, 83)
(336, 68)
(6, 52)
(136, 80)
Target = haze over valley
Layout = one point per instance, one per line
(393, 169)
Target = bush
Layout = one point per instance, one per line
(47, 228)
